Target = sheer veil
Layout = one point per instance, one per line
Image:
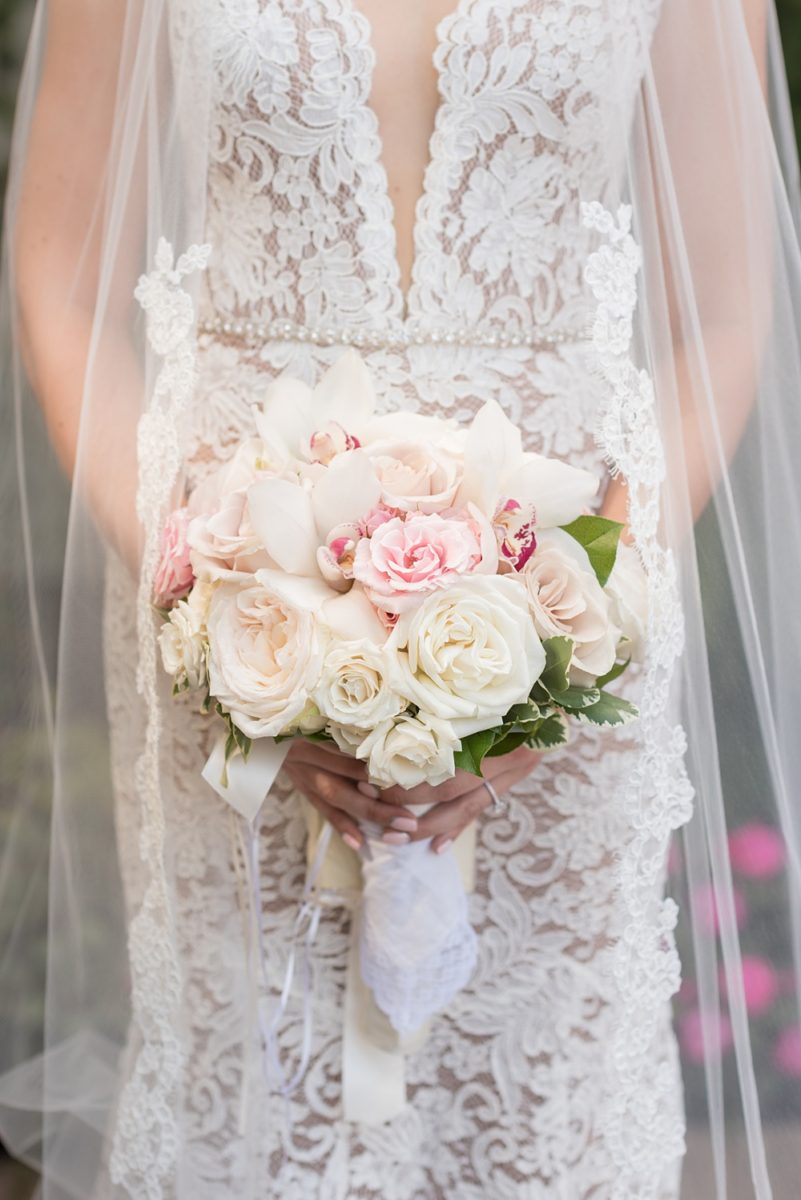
(694, 279)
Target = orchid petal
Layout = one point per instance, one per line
(344, 394)
(307, 594)
(281, 515)
(559, 492)
(493, 449)
(284, 420)
(347, 491)
(352, 617)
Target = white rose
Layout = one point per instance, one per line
(471, 651)
(567, 600)
(265, 650)
(357, 685)
(348, 737)
(409, 751)
(310, 720)
(183, 639)
(628, 591)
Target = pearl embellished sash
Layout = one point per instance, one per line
(396, 337)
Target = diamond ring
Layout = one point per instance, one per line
(498, 805)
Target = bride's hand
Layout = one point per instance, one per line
(337, 786)
(460, 800)
(332, 782)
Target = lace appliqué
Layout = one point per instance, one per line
(146, 1138)
(643, 1132)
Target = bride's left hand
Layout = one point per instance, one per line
(460, 800)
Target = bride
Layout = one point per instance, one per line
(578, 209)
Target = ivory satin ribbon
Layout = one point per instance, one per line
(373, 1053)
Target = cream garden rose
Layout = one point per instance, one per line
(567, 600)
(266, 650)
(415, 475)
(627, 589)
(182, 639)
(409, 751)
(357, 685)
(471, 652)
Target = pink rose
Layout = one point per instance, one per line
(174, 577)
(756, 851)
(404, 560)
(760, 984)
(691, 1036)
(787, 1052)
(376, 517)
(707, 908)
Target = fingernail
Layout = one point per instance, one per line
(351, 841)
(368, 789)
(395, 839)
(405, 824)
(443, 846)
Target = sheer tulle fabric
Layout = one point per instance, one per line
(114, 144)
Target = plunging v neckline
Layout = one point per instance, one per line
(441, 35)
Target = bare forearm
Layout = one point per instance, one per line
(92, 418)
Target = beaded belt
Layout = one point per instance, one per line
(252, 333)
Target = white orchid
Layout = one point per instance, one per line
(497, 470)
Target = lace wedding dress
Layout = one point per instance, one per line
(508, 1096)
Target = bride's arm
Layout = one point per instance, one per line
(733, 307)
(56, 242)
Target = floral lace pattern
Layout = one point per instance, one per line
(519, 1090)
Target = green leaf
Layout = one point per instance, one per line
(552, 732)
(578, 697)
(510, 741)
(474, 748)
(521, 714)
(558, 653)
(615, 673)
(599, 537)
(610, 710)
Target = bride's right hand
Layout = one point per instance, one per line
(328, 779)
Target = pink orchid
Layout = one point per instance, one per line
(330, 440)
(514, 526)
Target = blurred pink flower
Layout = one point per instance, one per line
(691, 1036)
(706, 907)
(174, 576)
(787, 1052)
(756, 851)
(788, 983)
(674, 858)
(760, 984)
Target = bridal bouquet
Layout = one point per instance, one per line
(419, 594)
